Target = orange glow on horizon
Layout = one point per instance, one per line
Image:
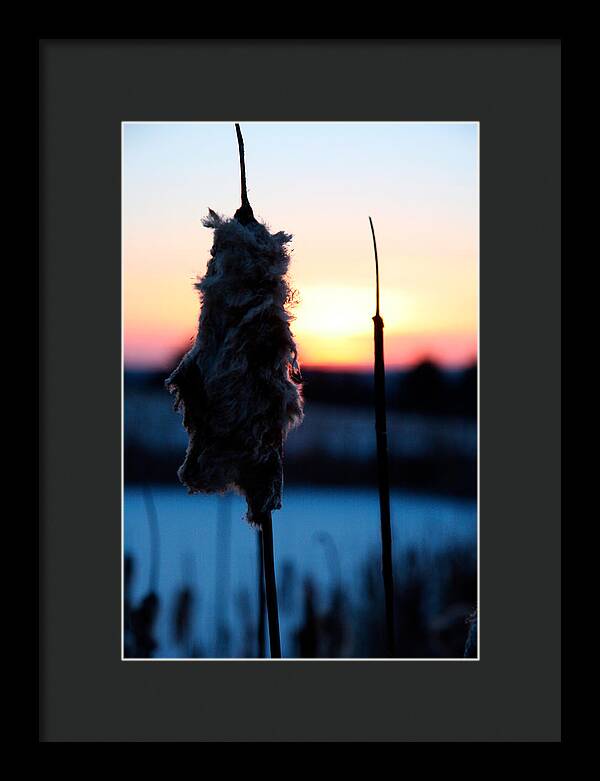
(419, 181)
(332, 326)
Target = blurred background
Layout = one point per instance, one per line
(191, 563)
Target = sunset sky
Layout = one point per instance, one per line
(320, 182)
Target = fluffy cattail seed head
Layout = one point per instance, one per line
(239, 386)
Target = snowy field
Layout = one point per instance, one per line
(325, 534)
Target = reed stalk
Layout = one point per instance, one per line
(266, 535)
(261, 598)
(383, 480)
(244, 214)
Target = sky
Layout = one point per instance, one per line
(320, 182)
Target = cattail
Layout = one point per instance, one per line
(383, 479)
(239, 385)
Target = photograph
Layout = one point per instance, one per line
(300, 391)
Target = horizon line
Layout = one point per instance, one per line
(332, 368)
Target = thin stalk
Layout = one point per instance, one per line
(382, 465)
(261, 598)
(244, 214)
(266, 534)
(240, 140)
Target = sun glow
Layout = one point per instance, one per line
(346, 311)
(333, 326)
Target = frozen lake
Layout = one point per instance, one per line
(324, 533)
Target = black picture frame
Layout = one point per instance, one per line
(86, 89)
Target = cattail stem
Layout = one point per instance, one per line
(244, 214)
(266, 534)
(376, 270)
(261, 598)
(240, 140)
(382, 466)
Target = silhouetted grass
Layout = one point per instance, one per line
(435, 600)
